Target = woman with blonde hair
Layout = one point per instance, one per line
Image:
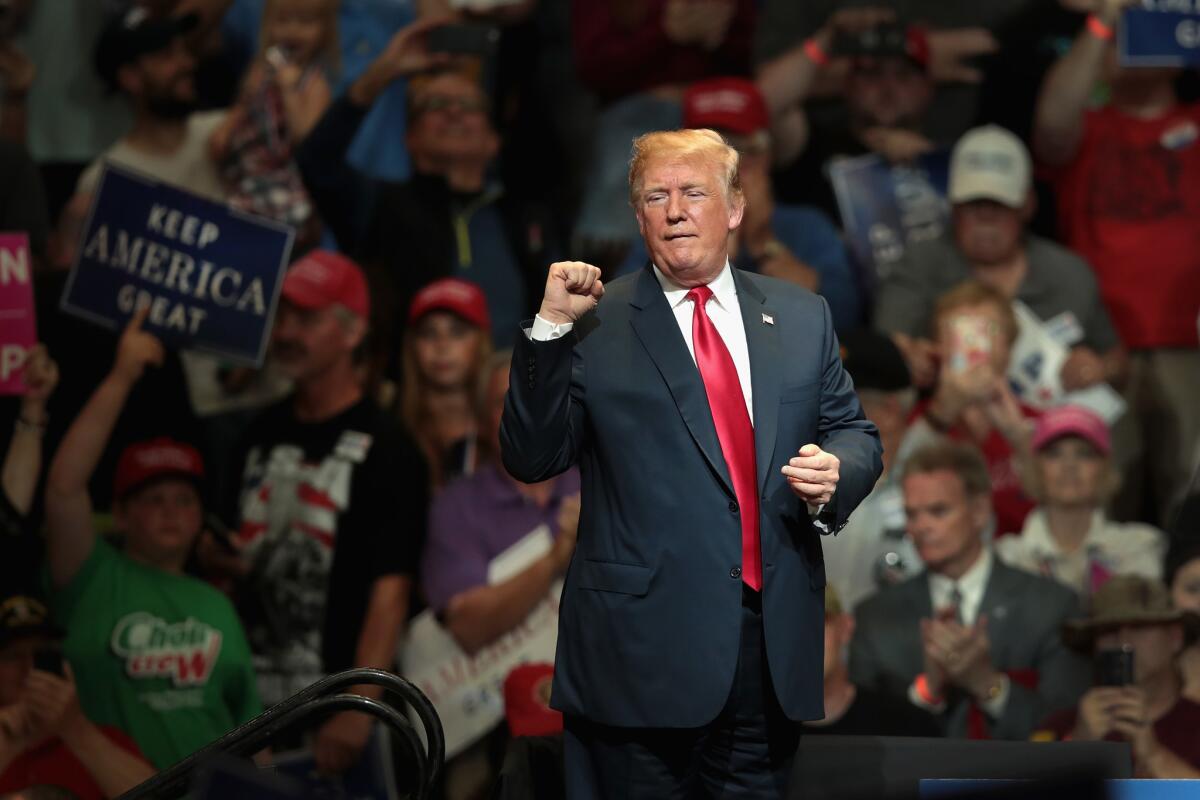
(1068, 536)
(446, 345)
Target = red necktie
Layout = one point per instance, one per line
(734, 430)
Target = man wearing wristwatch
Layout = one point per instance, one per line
(971, 640)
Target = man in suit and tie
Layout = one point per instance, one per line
(972, 640)
(717, 436)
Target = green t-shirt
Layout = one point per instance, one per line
(162, 657)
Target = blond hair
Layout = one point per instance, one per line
(689, 144)
(973, 294)
(330, 53)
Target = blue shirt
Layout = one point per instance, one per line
(365, 27)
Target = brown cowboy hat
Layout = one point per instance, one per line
(1128, 600)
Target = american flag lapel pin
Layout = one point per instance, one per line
(768, 319)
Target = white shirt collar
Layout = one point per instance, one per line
(1035, 535)
(723, 288)
(971, 585)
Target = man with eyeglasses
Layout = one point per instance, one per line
(452, 217)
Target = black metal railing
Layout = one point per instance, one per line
(319, 700)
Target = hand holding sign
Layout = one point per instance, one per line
(137, 350)
(41, 375)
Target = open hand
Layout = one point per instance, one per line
(573, 288)
(813, 474)
(51, 703)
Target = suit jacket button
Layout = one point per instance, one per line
(733, 507)
(735, 573)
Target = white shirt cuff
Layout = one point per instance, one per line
(994, 707)
(915, 698)
(814, 513)
(543, 331)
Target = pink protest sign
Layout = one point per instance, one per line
(18, 331)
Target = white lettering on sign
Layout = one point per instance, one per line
(1172, 6)
(164, 312)
(1187, 33)
(12, 358)
(174, 224)
(14, 266)
(174, 270)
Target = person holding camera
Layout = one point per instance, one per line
(156, 652)
(45, 738)
(1135, 636)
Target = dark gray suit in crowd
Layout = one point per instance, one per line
(1025, 614)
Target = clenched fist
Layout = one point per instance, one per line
(573, 288)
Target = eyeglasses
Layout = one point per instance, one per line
(446, 102)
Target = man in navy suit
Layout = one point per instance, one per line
(717, 436)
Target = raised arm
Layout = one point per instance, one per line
(23, 462)
(1063, 100)
(542, 423)
(69, 532)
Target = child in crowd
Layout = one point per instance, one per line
(445, 348)
(286, 91)
(154, 652)
(1068, 536)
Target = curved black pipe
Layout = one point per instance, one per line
(252, 736)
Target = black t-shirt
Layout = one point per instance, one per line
(806, 180)
(875, 714)
(323, 509)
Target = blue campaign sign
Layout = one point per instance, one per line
(886, 207)
(1160, 33)
(934, 789)
(210, 275)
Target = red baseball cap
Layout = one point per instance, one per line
(728, 104)
(1061, 421)
(324, 278)
(527, 701)
(455, 295)
(143, 462)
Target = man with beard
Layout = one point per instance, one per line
(991, 194)
(330, 505)
(145, 58)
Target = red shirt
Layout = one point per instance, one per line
(52, 764)
(1130, 204)
(621, 48)
(1176, 730)
(1010, 504)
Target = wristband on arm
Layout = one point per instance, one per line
(1099, 28)
(924, 692)
(816, 53)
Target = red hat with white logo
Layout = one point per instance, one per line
(727, 104)
(143, 462)
(454, 295)
(324, 278)
(527, 701)
(1061, 421)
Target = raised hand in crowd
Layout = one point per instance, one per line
(951, 51)
(70, 534)
(897, 145)
(1084, 367)
(406, 54)
(756, 235)
(703, 23)
(921, 357)
(1100, 707)
(23, 462)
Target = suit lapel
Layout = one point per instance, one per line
(654, 323)
(997, 603)
(762, 340)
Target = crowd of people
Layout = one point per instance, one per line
(187, 542)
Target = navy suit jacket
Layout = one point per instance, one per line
(651, 609)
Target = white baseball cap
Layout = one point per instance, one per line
(990, 163)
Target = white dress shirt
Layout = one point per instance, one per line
(971, 587)
(723, 310)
